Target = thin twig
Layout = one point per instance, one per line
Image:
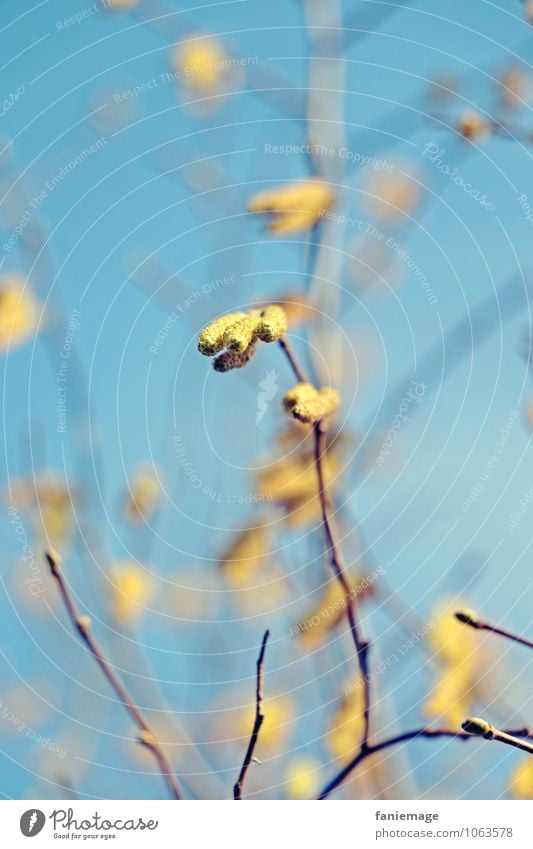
(468, 617)
(481, 728)
(432, 733)
(83, 624)
(259, 717)
(335, 556)
(293, 362)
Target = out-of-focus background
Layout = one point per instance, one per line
(134, 136)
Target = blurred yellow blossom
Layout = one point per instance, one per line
(18, 311)
(48, 500)
(294, 208)
(521, 781)
(461, 666)
(119, 5)
(247, 555)
(391, 196)
(345, 731)
(143, 497)
(302, 779)
(202, 64)
(308, 404)
(132, 588)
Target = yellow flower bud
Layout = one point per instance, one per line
(272, 323)
(308, 404)
(239, 334)
(211, 339)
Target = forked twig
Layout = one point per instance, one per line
(431, 733)
(259, 717)
(83, 625)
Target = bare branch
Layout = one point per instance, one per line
(259, 717)
(82, 624)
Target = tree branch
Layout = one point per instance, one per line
(83, 624)
(259, 717)
(432, 733)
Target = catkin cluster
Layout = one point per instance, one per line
(308, 404)
(238, 333)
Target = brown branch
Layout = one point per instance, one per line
(432, 733)
(259, 717)
(468, 617)
(293, 362)
(83, 624)
(335, 555)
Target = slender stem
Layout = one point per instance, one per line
(82, 624)
(335, 555)
(336, 560)
(432, 733)
(259, 717)
(469, 618)
(293, 362)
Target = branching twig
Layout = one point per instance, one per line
(83, 625)
(431, 733)
(468, 617)
(259, 717)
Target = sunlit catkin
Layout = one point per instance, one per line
(308, 404)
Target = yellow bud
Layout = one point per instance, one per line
(479, 727)
(211, 339)
(239, 334)
(308, 404)
(271, 324)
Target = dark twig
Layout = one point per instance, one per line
(293, 362)
(83, 625)
(432, 733)
(259, 717)
(468, 617)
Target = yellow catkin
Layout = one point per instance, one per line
(239, 334)
(18, 312)
(295, 207)
(211, 339)
(308, 404)
(271, 324)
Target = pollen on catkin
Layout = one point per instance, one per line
(238, 332)
(308, 404)
(211, 339)
(272, 323)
